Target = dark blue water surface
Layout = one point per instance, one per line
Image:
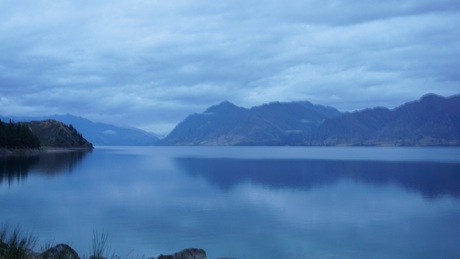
(242, 202)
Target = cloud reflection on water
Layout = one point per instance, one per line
(156, 201)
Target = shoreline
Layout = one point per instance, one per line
(9, 248)
(8, 152)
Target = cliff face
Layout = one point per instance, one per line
(52, 133)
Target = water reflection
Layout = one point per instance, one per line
(151, 201)
(15, 169)
(428, 178)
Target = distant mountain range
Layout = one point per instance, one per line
(431, 121)
(270, 124)
(99, 133)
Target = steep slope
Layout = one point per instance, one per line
(215, 126)
(269, 124)
(431, 121)
(100, 133)
(52, 133)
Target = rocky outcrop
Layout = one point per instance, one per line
(189, 253)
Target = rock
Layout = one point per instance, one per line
(189, 253)
(61, 251)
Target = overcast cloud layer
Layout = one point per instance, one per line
(150, 63)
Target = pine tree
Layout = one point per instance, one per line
(16, 135)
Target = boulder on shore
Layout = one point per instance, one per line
(189, 253)
(61, 251)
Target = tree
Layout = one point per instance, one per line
(16, 135)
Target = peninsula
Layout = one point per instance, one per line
(39, 136)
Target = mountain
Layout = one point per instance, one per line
(109, 135)
(270, 124)
(431, 121)
(52, 133)
(100, 133)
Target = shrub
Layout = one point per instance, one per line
(15, 245)
(99, 245)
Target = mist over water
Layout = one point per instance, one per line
(243, 202)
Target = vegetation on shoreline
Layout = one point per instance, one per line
(52, 133)
(16, 136)
(27, 137)
(16, 245)
(99, 245)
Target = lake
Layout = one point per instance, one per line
(242, 202)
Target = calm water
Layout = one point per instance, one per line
(243, 202)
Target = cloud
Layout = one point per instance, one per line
(133, 62)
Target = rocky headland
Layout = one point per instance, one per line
(38, 137)
(55, 134)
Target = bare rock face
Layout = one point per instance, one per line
(61, 251)
(189, 253)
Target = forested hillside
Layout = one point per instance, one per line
(17, 135)
(36, 134)
(52, 133)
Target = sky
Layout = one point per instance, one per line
(151, 63)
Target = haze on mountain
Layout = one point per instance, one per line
(431, 121)
(99, 133)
